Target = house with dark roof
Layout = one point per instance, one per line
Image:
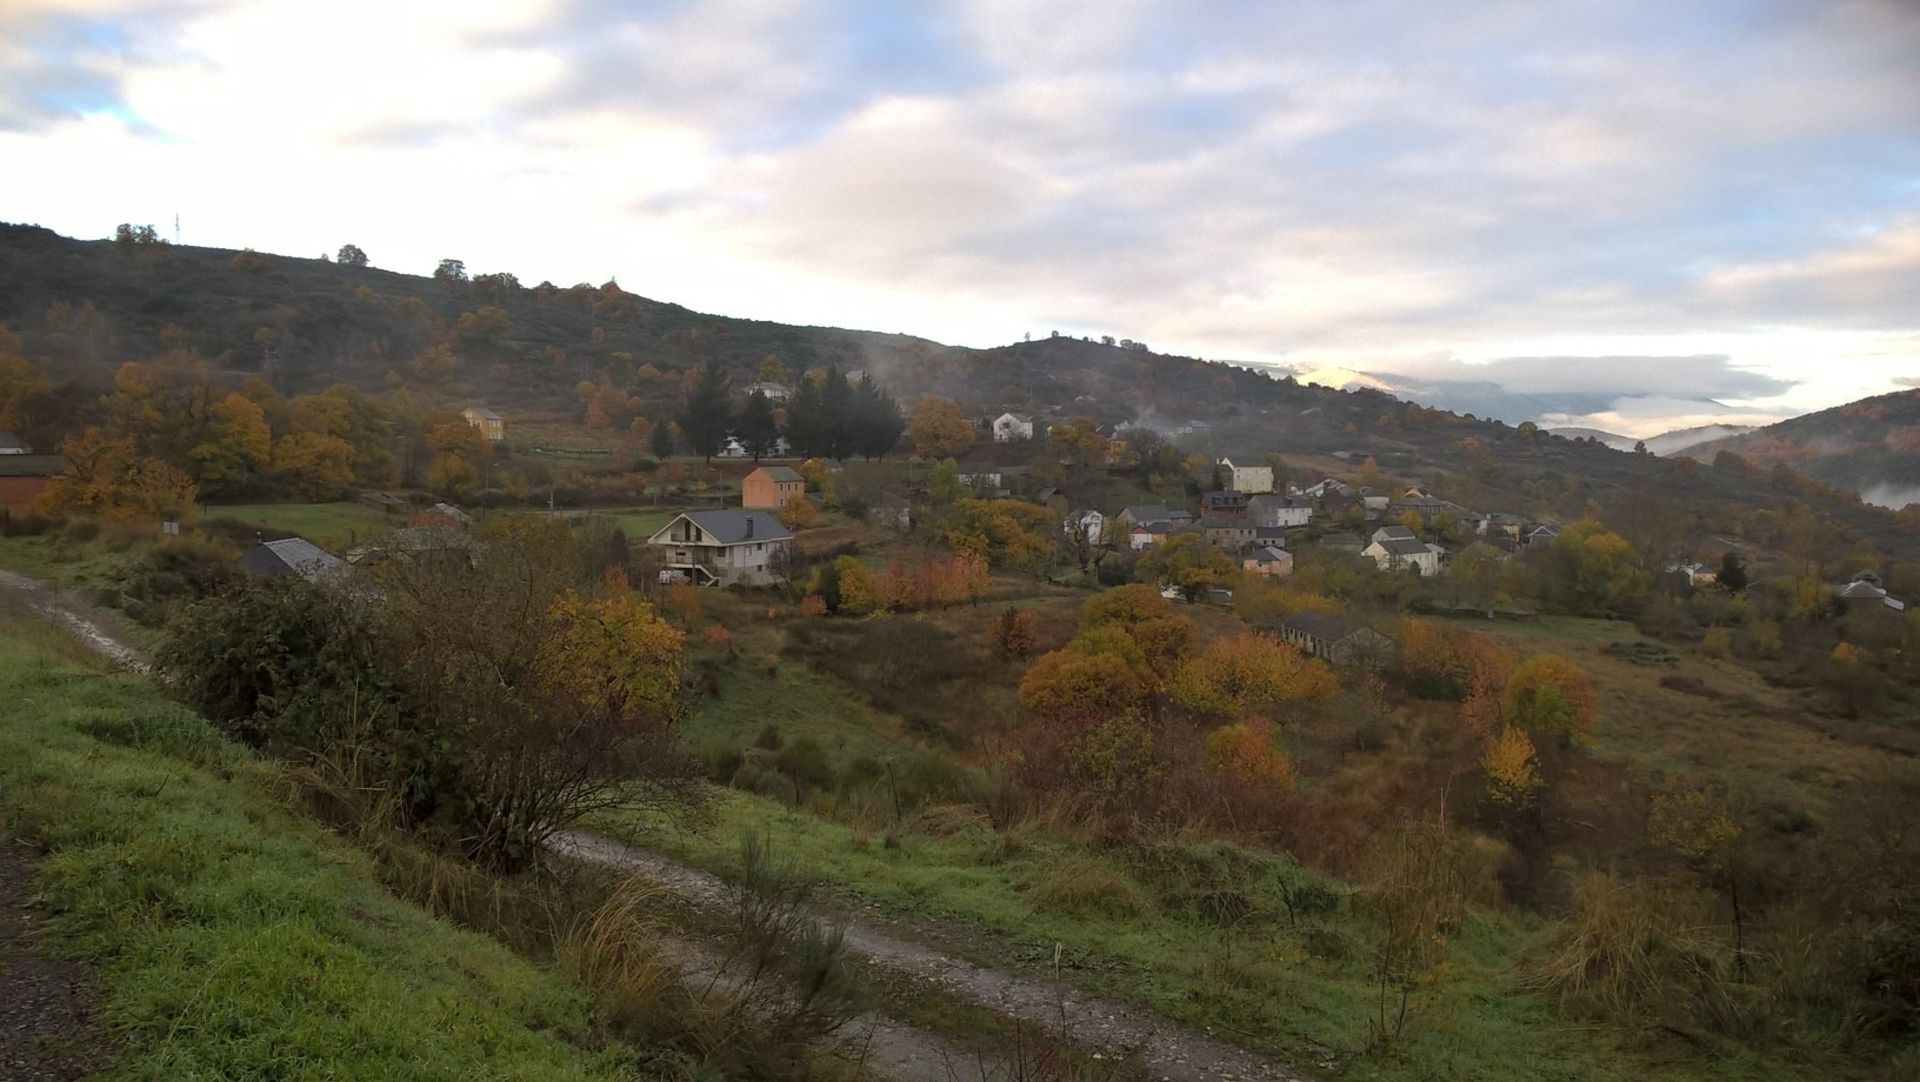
(724, 548)
(1269, 561)
(290, 556)
(11, 444)
(1271, 510)
(1400, 554)
(1223, 504)
(1228, 532)
(487, 421)
(772, 487)
(1347, 543)
(1332, 638)
(24, 477)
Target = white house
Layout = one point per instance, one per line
(1396, 554)
(1287, 511)
(1089, 524)
(1012, 426)
(724, 548)
(775, 392)
(1252, 479)
(11, 445)
(1393, 533)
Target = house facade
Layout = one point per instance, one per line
(724, 548)
(772, 487)
(1284, 511)
(487, 421)
(1009, 427)
(1268, 561)
(1251, 479)
(1089, 525)
(1399, 554)
(1228, 504)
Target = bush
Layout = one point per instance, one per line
(1086, 890)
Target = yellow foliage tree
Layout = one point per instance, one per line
(1249, 751)
(1249, 675)
(1513, 770)
(1071, 687)
(614, 655)
(939, 428)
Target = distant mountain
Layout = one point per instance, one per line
(1672, 443)
(1610, 439)
(1871, 447)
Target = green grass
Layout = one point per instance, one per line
(1300, 992)
(802, 704)
(52, 558)
(236, 939)
(329, 525)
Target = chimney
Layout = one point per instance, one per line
(749, 525)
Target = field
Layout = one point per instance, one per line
(333, 526)
(235, 939)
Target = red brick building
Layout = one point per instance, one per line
(24, 477)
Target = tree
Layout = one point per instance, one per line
(1696, 822)
(1249, 676)
(1188, 562)
(661, 442)
(351, 255)
(315, 465)
(1513, 771)
(451, 270)
(708, 414)
(1072, 688)
(1733, 572)
(758, 429)
(943, 482)
(874, 422)
(1249, 752)
(1080, 446)
(1548, 696)
(1012, 533)
(237, 443)
(1368, 476)
(939, 428)
(1013, 634)
(108, 477)
(1593, 571)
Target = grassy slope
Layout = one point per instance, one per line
(235, 938)
(329, 525)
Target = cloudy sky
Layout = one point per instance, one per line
(1626, 214)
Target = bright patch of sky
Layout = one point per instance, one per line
(1529, 207)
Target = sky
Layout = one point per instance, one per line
(1628, 215)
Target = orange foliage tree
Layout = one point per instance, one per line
(1249, 675)
(1073, 687)
(1249, 751)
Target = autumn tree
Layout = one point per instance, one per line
(1189, 563)
(1549, 697)
(939, 429)
(1591, 570)
(316, 466)
(1512, 769)
(1012, 533)
(451, 271)
(1249, 752)
(236, 443)
(1073, 687)
(1013, 634)
(108, 477)
(1249, 676)
(1697, 822)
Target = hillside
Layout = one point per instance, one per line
(82, 307)
(1871, 447)
(1666, 443)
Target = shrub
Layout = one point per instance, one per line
(1085, 890)
(1013, 635)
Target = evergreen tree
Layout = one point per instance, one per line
(876, 422)
(662, 438)
(807, 430)
(758, 429)
(836, 411)
(1733, 572)
(709, 413)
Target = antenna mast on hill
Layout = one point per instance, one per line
(176, 228)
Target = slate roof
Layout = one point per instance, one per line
(1267, 554)
(1396, 533)
(1401, 546)
(11, 442)
(31, 465)
(292, 555)
(734, 527)
(1343, 540)
(482, 412)
(781, 473)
